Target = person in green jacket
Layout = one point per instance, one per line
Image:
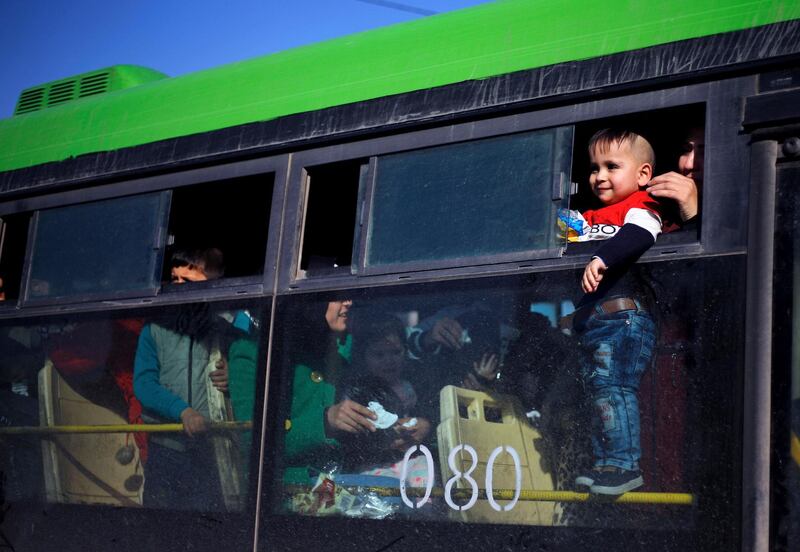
(317, 417)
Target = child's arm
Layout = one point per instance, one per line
(637, 235)
(592, 275)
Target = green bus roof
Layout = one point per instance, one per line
(474, 43)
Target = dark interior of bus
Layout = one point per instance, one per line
(231, 215)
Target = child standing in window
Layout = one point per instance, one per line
(612, 320)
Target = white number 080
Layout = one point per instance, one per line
(458, 474)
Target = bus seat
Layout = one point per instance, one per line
(486, 422)
(85, 468)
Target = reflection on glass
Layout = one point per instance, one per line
(98, 247)
(462, 401)
(73, 375)
(486, 197)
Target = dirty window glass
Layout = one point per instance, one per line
(477, 378)
(64, 380)
(97, 248)
(488, 197)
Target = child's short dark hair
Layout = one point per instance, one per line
(210, 261)
(639, 145)
(374, 326)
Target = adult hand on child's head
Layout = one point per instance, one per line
(593, 274)
(193, 422)
(350, 417)
(446, 332)
(219, 377)
(679, 188)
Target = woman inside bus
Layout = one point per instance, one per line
(682, 187)
(321, 354)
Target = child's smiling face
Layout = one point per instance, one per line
(616, 173)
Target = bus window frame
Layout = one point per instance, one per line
(725, 162)
(262, 284)
(158, 245)
(366, 208)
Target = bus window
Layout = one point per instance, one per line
(65, 380)
(677, 138)
(483, 392)
(330, 217)
(13, 240)
(487, 198)
(231, 216)
(106, 247)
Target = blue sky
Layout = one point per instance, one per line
(45, 40)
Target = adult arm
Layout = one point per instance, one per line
(680, 189)
(242, 363)
(445, 332)
(306, 425)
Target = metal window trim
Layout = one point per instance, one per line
(758, 349)
(291, 278)
(165, 183)
(159, 237)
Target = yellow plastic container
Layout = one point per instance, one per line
(485, 423)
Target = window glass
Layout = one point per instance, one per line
(97, 248)
(62, 377)
(488, 197)
(426, 360)
(459, 373)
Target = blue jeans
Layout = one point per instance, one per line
(621, 346)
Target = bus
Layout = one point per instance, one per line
(329, 297)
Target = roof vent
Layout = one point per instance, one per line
(58, 92)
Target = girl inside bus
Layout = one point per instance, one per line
(378, 379)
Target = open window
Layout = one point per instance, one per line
(676, 134)
(330, 219)
(231, 216)
(13, 241)
(473, 202)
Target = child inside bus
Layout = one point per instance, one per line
(611, 319)
(379, 358)
(169, 378)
